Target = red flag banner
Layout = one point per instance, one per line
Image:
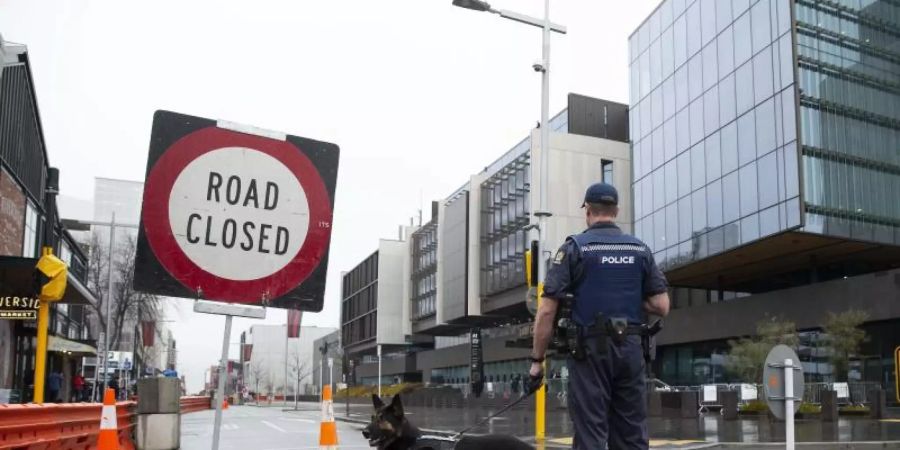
(148, 332)
(248, 350)
(293, 323)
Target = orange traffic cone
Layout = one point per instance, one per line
(328, 432)
(224, 405)
(109, 433)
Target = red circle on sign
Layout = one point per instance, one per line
(155, 216)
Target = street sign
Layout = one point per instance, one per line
(774, 380)
(235, 214)
(330, 362)
(126, 365)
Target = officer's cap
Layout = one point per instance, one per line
(601, 193)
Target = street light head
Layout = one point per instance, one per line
(476, 5)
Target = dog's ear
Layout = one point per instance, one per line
(376, 401)
(397, 406)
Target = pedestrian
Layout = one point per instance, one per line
(515, 384)
(613, 282)
(54, 384)
(78, 387)
(113, 384)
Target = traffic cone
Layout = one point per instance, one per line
(328, 431)
(109, 433)
(224, 405)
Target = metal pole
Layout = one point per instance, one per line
(40, 360)
(297, 392)
(220, 391)
(379, 370)
(112, 235)
(789, 404)
(542, 213)
(331, 374)
(286, 346)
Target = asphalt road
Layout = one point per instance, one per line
(263, 428)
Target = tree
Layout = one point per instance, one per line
(844, 337)
(258, 372)
(299, 368)
(748, 354)
(128, 305)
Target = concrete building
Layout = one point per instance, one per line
(264, 370)
(765, 137)
(464, 268)
(330, 344)
(28, 222)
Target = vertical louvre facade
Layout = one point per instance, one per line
(359, 307)
(713, 126)
(21, 144)
(504, 214)
(424, 270)
(848, 55)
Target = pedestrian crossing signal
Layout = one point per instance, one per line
(52, 273)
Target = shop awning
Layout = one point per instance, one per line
(17, 278)
(62, 345)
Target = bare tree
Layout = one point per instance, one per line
(128, 305)
(258, 372)
(299, 368)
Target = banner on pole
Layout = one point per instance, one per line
(293, 323)
(148, 332)
(248, 351)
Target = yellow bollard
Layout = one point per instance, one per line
(53, 290)
(540, 397)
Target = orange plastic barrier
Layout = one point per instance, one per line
(194, 404)
(65, 426)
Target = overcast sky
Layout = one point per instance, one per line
(418, 94)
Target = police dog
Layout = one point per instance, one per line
(390, 430)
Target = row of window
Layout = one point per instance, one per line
(874, 31)
(505, 199)
(749, 139)
(740, 34)
(362, 302)
(708, 102)
(361, 275)
(361, 329)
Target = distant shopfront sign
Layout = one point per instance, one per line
(19, 308)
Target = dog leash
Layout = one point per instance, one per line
(487, 419)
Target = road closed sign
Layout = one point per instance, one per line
(235, 214)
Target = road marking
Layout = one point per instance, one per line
(272, 425)
(653, 442)
(288, 419)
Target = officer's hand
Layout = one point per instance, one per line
(535, 377)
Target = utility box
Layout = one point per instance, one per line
(158, 432)
(159, 396)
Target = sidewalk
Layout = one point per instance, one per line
(710, 431)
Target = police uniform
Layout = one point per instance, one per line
(608, 273)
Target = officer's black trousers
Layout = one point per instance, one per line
(606, 397)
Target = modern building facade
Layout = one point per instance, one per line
(464, 268)
(765, 139)
(28, 222)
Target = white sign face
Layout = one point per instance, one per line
(330, 362)
(238, 213)
(709, 393)
(842, 390)
(749, 392)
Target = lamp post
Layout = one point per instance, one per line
(541, 211)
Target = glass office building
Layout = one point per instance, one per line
(713, 127)
(766, 146)
(751, 118)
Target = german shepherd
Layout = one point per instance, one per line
(390, 430)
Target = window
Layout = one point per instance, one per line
(29, 247)
(607, 168)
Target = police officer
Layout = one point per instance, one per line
(614, 283)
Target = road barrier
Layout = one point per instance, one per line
(64, 426)
(193, 404)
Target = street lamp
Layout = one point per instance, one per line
(541, 211)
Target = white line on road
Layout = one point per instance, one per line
(287, 419)
(272, 425)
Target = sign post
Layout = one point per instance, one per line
(235, 214)
(783, 375)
